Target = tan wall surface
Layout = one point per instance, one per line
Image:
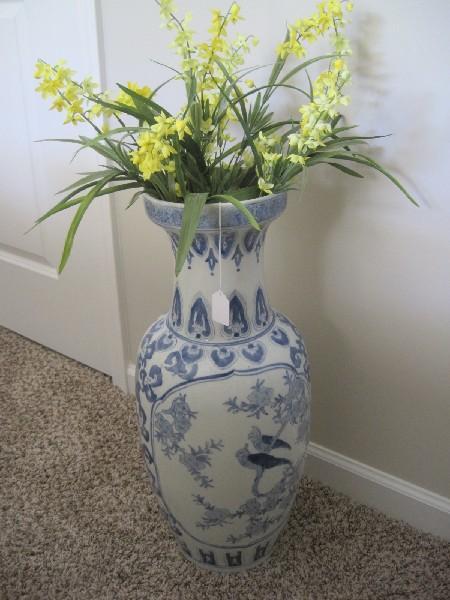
(365, 275)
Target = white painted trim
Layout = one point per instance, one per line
(115, 335)
(391, 495)
(31, 262)
(130, 376)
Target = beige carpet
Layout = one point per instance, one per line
(77, 519)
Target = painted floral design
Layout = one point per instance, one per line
(292, 408)
(261, 513)
(197, 459)
(261, 453)
(257, 403)
(171, 426)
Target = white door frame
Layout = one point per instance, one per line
(115, 345)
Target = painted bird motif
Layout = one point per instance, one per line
(266, 443)
(260, 462)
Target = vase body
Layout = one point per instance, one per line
(223, 410)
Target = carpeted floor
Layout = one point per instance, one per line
(77, 519)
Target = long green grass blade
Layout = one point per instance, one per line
(241, 118)
(82, 208)
(241, 207)
(306, 64)
(134, 198)
(91, 176)
(154, 106)
(193, 206)
(245, 193)
(107, 190)
(345, 169)
(62, 204)
(369, 162)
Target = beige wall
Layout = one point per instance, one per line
(365, 275)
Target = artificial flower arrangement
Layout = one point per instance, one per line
(192, 157)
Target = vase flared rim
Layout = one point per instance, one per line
(170, 214)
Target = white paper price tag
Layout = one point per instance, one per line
(220, 308)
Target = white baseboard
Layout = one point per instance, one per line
(130, 377)
(393, 496)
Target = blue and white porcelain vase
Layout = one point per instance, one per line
(223, 410)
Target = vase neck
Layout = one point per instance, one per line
(241, 255)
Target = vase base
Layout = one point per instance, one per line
(234, 561)
(223, 570)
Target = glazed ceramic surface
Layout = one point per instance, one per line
(223, 410)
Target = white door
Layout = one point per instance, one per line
(76, 313)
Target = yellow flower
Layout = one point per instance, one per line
(341, 44)
(62, 72)
(181, 127)
(170, 167)
(124, 98)
(72, 92)
(271, 157)
(155, 149)
(42, 70)
(328, 17)
(163, 125)
(97, 110)
(250, 83)
(89, 85)
(297, 159)
(264, 186)
(166, 7)
(74, 113)
(59, 104)
(206, 125)
(235, 13)
(294, 140)
(349, 6)
(48, 87)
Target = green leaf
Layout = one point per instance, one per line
(345, 169)
(245, 193)
(196, 118)
(109, 152)
(66, 140)
(193, 206)
(276, 70)
(310, 84)
(241, 117)
(338, 142)
(62, 204)
(91, 142)
(142, 100)
(257, 107)
(369, 162)
(305, 64)
(134, 198)
(117, 107)
(84, 205)
(241, 207)
(89, 177)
